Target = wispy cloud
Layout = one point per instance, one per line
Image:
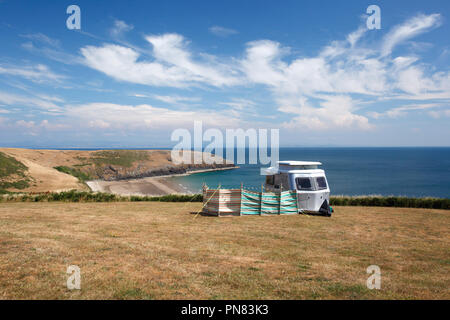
(174, 65)
(222, 31)
(439, 113)
(174, 100)
(42, 38)
(131, 117)
(320, 89)
(48, 105)
(120, 28)
(36, 73)
(240, 104)
(400, 111)
(411, 28)
(334, 112)
(52, 52)
(324, 90)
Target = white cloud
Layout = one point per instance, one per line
(335, 112)
(34, 128)
(99, 124)
(38, 73)
(343, 69)
(42, 103)
(294, 83)
(51, 52)
(262, 62)
(52, 126)
(176, 99)
(129, 117)
(408, 30)
(42, 38)
(172, 50)
(119, 28)
(240, 104)
(173, 65)
(25, 124)
(400, 111)
(221, 31)
(139, 95)
(440, 113)
(354, 37)
(319, 90)
(121, 63)
(412, 80)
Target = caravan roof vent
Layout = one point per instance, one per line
(298, 165)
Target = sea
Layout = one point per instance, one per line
(406, 171)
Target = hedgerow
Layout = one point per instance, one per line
(391, 201)
(84, 196)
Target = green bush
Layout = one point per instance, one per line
(124, 158)
(81, 176)
(11, 169)
(379, 201)
(83, 196)
(170, 198)
(10, 166)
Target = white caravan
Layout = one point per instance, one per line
(313, 192)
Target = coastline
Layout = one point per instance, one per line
(143, 172)
(148, 186)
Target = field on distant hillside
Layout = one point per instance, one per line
(55, 170)
(31, 170)
(165, 251)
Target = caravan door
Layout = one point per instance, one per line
(304, 186)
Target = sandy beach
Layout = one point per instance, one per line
(150, 186)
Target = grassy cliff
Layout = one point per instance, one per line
(12, 173)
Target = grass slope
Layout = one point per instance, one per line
(81, 176)
(12, 173)
(123, 158)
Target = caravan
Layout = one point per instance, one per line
(310, 183)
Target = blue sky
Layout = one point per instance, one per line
(137, 70)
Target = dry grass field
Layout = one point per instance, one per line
(164, 251)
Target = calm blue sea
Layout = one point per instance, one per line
(413, 172)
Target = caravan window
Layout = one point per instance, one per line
(285, 181)
(269, 180)
(321, 183)
(303, 184)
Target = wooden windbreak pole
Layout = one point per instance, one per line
(261, 199)
(279, 199)
(205, 195)
(218, 196)
(207, 201)
(240, 202)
